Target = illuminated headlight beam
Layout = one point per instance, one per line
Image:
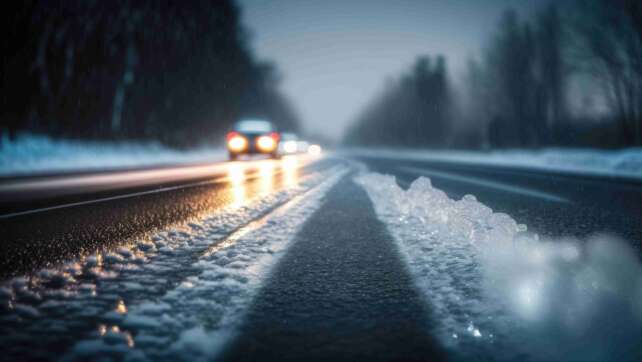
(237, 143)
(266, 143)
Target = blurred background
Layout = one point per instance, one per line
(418, 74)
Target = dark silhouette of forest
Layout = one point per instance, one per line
(181, 72)
(413, 111)
(175, 71)
(519, 92)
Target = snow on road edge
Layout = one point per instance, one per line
(194, 320)
(610, 163)
(498, 292)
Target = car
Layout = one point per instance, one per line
(253, 136)
(289, 144)
(303, 146)
(314, 150)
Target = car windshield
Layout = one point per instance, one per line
(254, 126)
(288, 136)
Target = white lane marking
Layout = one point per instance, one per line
(487, 183)
(103, 199)
(132, 178)
(220, 179)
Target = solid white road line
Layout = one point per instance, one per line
(103, 199)
(220, 173)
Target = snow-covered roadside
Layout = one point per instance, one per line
(208, 307)
(174, 295)
(612, 163)
(35, 154)
(498, 292)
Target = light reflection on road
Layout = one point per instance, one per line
(62, 185)
(285, 172)
(266, 177)
(266, 173)
(236, 177)
(290, 166)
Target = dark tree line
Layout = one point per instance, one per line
(176, 71)
(609, 35)
(520, 89)
(518, 93)
(521, 81)
(415, 110)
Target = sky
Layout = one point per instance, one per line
(334, 56)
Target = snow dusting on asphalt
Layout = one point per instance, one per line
(176, 295)
(497, 291)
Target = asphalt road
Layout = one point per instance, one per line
(48, 219)
(341, 291)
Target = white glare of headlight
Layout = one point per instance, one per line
(290, 146)
(314, 150)
(265, 143)
(237, 143)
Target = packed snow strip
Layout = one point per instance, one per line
(192, 320)
(622, 163)
(498, 292)
(32, 153)
(85, 303)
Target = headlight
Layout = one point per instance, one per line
(266, 143)
(290, 146)
(237, 143)
(314, 150)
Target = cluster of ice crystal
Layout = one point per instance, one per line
(498, 291)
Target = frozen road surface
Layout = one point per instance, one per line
(360, 257)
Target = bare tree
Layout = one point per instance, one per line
(510, 60)
(610, 40)
(478, 105)
(551, 70)
(414, 111)
(173, 71)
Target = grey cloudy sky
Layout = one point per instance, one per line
(335, 55)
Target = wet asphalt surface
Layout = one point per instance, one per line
(44, 239)
(341, 292)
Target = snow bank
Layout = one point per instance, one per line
(498, 292)
(623, 163)
(31, 153)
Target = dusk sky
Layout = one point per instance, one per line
(335, 55)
